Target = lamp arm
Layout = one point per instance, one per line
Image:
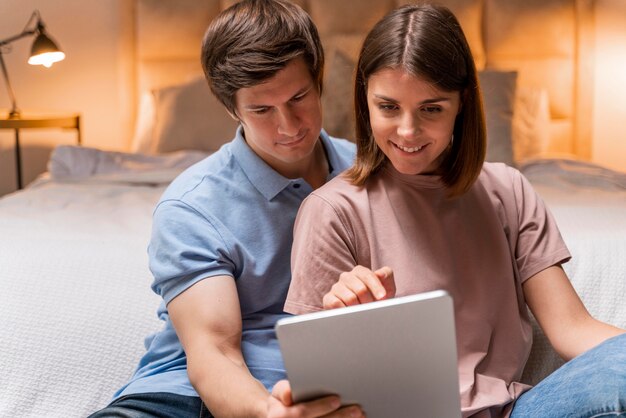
(26, 32)
(14, 38)
(14, 113)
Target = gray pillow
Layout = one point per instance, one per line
(498, 89)
(337, 97)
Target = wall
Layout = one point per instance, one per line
(95, 79)
(609, 135)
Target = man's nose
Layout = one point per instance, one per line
(288, 122)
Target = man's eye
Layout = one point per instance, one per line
(260, 110)
(298, 98)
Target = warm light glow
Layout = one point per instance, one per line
(609, 148)
(46, 59)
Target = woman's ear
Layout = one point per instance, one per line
(462, 99)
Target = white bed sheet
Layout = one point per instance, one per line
(75, 301)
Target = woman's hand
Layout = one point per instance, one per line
(281, 405)
(361, 285)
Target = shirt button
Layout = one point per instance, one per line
(296, 185)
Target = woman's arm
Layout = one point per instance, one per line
(361, 285)
(324, 246)
(562, 315)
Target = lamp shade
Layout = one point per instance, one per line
(45, 51)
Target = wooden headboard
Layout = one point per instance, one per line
(549, 43)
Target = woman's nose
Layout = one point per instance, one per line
(408, 126)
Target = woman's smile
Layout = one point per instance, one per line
(412, 120)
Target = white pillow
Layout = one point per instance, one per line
(518, 118)
(531, 123)
(182, 117)
(144, 127)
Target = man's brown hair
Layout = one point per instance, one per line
(251, 41)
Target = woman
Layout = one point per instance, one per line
(421, 200)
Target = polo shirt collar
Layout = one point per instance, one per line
(263, 177)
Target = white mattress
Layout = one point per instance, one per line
(589, 204)
(75, 303)
(75, 298)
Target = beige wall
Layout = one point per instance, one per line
(94, 80)
(609, 133)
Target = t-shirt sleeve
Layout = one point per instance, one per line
(322, 250)
(185, 248)
(539, 241)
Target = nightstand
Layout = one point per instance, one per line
(26, 121)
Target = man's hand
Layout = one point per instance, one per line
(361, 285)
(280, 405)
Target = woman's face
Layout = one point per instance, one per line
(412, 121)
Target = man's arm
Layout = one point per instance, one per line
(562, 315)
(207, 319)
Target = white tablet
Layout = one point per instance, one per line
(396, 358)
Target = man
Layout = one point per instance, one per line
(221, 242)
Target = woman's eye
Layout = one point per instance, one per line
(387, 107)
(431, 109)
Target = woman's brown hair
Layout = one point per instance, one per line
(427, 41)
(252, 40)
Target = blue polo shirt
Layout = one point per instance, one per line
(230, 214)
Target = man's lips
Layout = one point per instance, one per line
(292, 141)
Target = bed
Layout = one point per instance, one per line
(76, 305)
(75, 300)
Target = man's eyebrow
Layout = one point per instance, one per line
(300, 92)
(303, 90)
(254, 106)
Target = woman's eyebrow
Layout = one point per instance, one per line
(427, 101)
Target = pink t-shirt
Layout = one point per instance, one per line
(480, 247)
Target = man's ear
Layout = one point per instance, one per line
(233, 115)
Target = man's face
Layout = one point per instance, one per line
(282, 117)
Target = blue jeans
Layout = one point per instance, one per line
(590, 385)
(154, 405)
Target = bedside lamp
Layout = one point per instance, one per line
(43, 52)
